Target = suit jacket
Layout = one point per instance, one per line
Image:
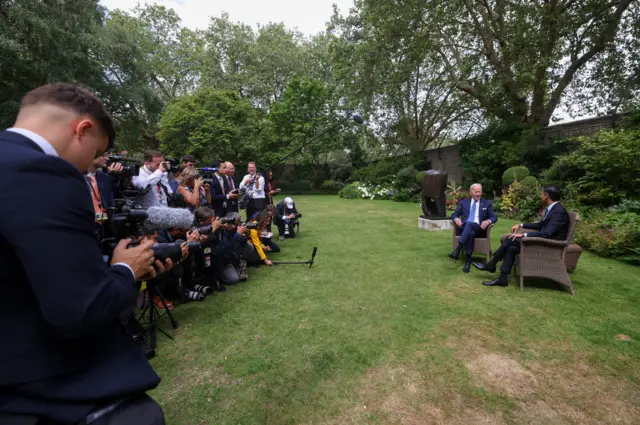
(232, 204)
(218, 197)
(64, 346)
(464, 211)
(554, 226)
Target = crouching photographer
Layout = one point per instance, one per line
(255, 228)
(286, 218)
(66, 358)
(225, 263)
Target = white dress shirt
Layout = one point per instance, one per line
(48, 149)
(251, 190)
(159, 182)
(476, 217)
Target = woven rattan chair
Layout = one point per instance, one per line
(541, 257)
(481, 245)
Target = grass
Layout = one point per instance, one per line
(385, 329)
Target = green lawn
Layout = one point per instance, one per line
(385, 329)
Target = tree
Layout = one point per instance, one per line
(212, 124)
(400, 84)
(515, 59)
(307, 109)
(43, 42)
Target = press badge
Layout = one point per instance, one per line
(101, 216)
(207, 257)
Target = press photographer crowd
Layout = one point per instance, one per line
(87, 236)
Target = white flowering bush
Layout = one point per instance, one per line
(358, 190)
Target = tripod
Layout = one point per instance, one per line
(153, 314)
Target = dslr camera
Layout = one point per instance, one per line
(131, 167)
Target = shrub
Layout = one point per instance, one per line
(331, 186)
(627, 205)
(420, 178)
(521, 201)
(611, 234)
(497, 205)
(530, 181)
(404, 195)
(351, 191)
(602, 170)
(514, 173)
(296, 187)
(405, 179)
(340, 172)
(358, 190)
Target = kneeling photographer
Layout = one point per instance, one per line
(286, 218)
(66, 358)
(255, 229)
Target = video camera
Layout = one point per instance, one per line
(131, 167)
(173, 165)
(207, 174)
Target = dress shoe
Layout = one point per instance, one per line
(218, 287)
(160, 305)
(496, 282)
(466, 268)
(484, 267)
(455, 254)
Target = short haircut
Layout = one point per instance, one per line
(251, 163)
(217, 163)
(76, 99)
(475, 184)
(203, 213)
(149, 155)
(188, 158)
(270, 208)
(553, 192)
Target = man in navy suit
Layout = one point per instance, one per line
(220, 195)
(554, 225)
(473, 216)
(66, 358)
(231, 186)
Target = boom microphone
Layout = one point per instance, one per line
(169, 218)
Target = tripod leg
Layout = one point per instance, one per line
(174, 322)
(151, 327)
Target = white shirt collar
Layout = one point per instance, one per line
(551, 206)
(37, 139)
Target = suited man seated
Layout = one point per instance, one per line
(554, 225)
(472, 217)
(66, 358)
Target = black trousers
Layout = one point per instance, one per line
(507, 253)
(254, 206)
(282, 225)
(140, 410)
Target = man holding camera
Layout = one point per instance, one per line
(286, 218)
(253, 183)
(66, 358)
(154, 178)
(231, 186)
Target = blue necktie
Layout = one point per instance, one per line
(472, 217)
(546, 213)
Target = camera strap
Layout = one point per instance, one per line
(100, 212)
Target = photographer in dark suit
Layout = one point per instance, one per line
(66, 358)
(554, 225)
(472, 216)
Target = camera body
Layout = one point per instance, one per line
(173, 164)
(131, 167)
(206, 173)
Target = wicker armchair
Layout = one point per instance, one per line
(481, 245)
(541, 257)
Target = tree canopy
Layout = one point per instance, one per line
(423, 73)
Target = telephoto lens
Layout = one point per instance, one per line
(163, 251)
(251, 225)
(193, 245)
(203, 230)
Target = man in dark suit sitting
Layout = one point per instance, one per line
(65, 358)
(554, 225)
(473, 216)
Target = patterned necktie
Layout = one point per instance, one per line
(472, 217)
